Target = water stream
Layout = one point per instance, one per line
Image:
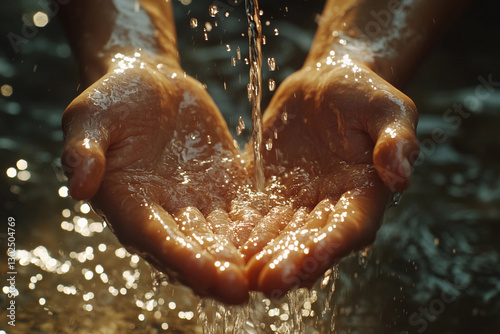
(255, 86)
(299, 308)
(440, 244)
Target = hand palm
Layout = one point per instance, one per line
(170, 173)
(324, 130)
(153, 151)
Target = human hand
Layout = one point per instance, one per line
(150, 149)
(342, 140)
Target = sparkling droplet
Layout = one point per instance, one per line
(241, 123)
(363, 256)
(209, 139)
(272, 85)
(263, 39)
(396, 199)
(240, 127)
(194, 22)
(233, 61)
(249, 92)
(276, 32)
(269, 144)
(238, 53)
(271, 62)
(213, 10)
(228, 47)
(284, 117)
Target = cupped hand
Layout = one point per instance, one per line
(339, 141)
(148, 145)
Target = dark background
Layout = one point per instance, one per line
(444, 235)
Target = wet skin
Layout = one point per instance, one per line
(147, 145)
(150, 148)
(339, 153)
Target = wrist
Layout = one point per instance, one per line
(388, 36)
(101, 29)
(116, 60)
(379, 58)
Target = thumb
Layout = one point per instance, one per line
(85, 145)
(396, 145)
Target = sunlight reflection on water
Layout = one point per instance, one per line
(74, 277)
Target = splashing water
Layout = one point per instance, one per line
(363, 256)
(255, 90)
(298, 312)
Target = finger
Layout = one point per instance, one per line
(244, 218)
(147, 229)
(83, 157)
(219, 222)
(267, 229)
(289, 247)
(258, 261)
(192, 223)
(351, 225)
(396, 145)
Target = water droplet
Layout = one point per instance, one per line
(276, 32)
(363, 256)
(249, 92)
(194, 22)
(272, 85)
(263, 39)
(233, 61)
(228, 47)
(241, 126)
(241, 123)
(238, 53)
(209, 139)
(284, 117)
(271, 62)
(396, 199)
(212, 10)
(208, 26)
(269, 144)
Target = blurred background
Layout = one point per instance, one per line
(434, 267)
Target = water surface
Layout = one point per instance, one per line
(433, 269)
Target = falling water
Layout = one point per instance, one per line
(255, 90)
(300, 311)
